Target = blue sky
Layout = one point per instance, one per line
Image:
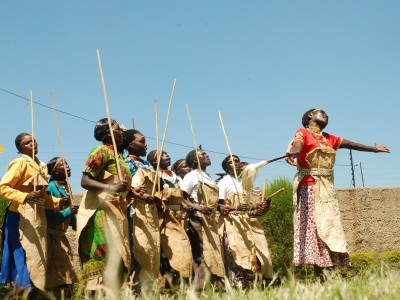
(261, 64)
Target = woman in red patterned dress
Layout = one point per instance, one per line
(319, 238)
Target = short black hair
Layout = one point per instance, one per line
(101, 129)
(129, 136)
(190, 159)
(20, 138)
(306, 117)
(226, 160)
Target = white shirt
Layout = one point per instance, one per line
(227, 185)
(189, 184)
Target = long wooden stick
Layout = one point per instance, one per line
(108, 116)
(276, 193)
(227, 144)
(157, 178)
(195, 148)
(229, 149)
(33, 146)
(61, 147)
(165, 133)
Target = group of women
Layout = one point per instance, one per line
(138, 219)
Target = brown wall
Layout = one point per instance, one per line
(371, 218)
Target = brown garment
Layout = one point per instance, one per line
(239, 234)
(146, 231)
(33, 237)
(60, 268)
(174, 240)
(212, 249)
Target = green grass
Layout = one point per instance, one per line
(384, 283)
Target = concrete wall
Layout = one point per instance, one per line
(371, 218)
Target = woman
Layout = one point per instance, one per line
(245, 248)
(319, 238)
(180, 168)
(200, 193)
(24, 260)
(144, 228)
(60, 270)
(175, 245)
(102, 225)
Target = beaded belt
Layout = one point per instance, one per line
(315, 171)
(55, 232)
(174, 207)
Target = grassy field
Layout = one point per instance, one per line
(383, 284)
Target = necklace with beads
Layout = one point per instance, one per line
(317, 134)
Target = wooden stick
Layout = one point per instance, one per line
(157, 179)
(108, 116)
(165, 131)
(62, 154)
(61, 147)
(195, 148)
(276, 193)
(33, 147)
(229, 149)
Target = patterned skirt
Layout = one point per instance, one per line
(308, 246)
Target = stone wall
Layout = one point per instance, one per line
(371, 218)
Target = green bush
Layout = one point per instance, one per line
(278, 225)
(369, 263)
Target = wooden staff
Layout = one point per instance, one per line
(157, 178)
(62, 153)
(195, 149)
(276, 193)
(33, 147)
(108, 116)
(165, 133)
(229, 149)
(61, 147)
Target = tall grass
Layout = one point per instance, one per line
(384, 284)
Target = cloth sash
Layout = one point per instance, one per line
(212, 250)
(327, 214)
(239, 234)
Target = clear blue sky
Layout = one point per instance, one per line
(262, 64)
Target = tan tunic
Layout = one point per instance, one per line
(327, 214)
(212, 249)
(174, 240)
(239, 233)
(146, 231)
